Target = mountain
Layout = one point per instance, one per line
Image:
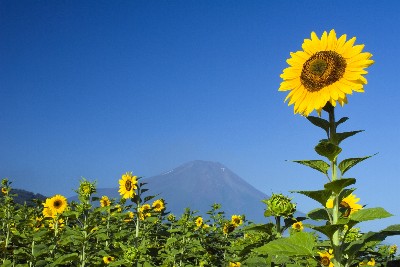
(199, 184)
(23, 196)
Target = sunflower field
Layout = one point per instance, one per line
(138, 230)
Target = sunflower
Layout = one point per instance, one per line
(56, 204)
(129, 216)
(199, 221)
(348, 203)
(127, 185)
(105, 201)
(4, 191)
(369, 263)
(236, 220)
(298, 226)
(108, 259)
(234, 264)
(143, 211)
(325, 258)
(158, 205)
(228, 228)
(327, 70)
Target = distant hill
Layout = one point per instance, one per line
(24, 196)
(199, 184)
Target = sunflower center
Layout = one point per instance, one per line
(322, 69)
(325, 261)
(128, 185)
(347, 208)
(57, 204)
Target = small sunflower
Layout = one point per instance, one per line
(108, 259)
(4, 191)
(298, 226)
(325, 258)
(158, 205)
(143, 211)
(228, 228)
(60, 224)
(105, 201)
(199, 221)
(327, 70)
(127, 185)
(57, 204)
(234, 264)
(129, 216)
(236, 220)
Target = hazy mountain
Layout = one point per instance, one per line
(199, 184)
(23, 196)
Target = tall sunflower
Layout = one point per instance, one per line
(326, 70)
(127, 185)
(56, 204)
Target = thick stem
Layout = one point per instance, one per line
(335, 216)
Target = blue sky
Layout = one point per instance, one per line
(97, 88)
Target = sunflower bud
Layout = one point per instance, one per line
(279, 205)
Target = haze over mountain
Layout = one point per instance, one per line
(199, 184)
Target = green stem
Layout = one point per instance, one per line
(335, 216)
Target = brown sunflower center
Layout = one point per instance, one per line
(297, 226)
(325, 261)
(347, 208)
(128, 185)
(57, 204)
(322, 69)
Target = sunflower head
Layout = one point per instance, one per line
(392, 249)
(4, 191)
(325, 258)
(236, 220)
(108, 259)
(158, 205)
(127, 185)
(144, 211)
(199, 221)
(234, 264)
(326, 70)
(55, 205)
(105, 201)
(228, 228)
(298, 226)
(348, 205)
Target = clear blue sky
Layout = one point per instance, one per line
(97, 88)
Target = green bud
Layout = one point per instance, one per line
(280, 205)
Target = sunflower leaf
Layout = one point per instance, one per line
(341, 121)
(298, 244)
(370, 214)
(322, 123)
(327, 149)
(318, 215)
(347, 164)
(318, 165)
(341, 136)
(328, 230)
(320, 196)
(338, 185)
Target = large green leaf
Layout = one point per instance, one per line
(327, 149)
(338, 185)
(347, 164)
(322, 123)
(341, 136)
(318, 215)
(320, 195)
(369, 214)
(318, 165)
(298, 244)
